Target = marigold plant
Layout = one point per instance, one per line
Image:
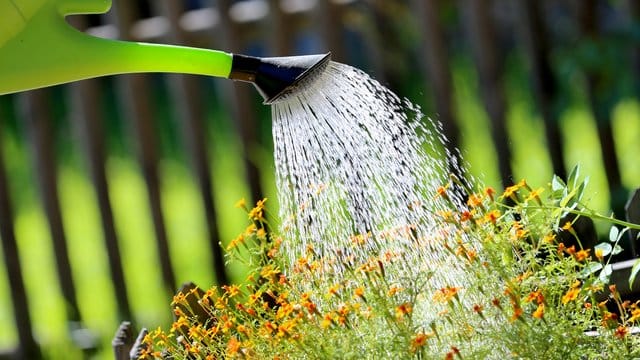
(519, 284)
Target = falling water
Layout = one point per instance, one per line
(352, 158)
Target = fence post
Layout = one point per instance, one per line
(241, 100)
(190, 114)
(489, 64)
(534, 35)
(35, 109)
(87, 118)
(436, 54)
(27, 347)
(601, 100)
(135, 90)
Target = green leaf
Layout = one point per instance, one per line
(613, 234)
(557, 184)
(604, 247)
(617, 250)
(605, 274)
(572, 180)
(634, 272)
(590, 268)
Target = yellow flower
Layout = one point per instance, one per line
(420, 339)
(549, 238)
(235, 242)
(231, 290)
(403, 309)
(572, 293)
(474, 200)
(621, 331)
(445, 294)
(327, 320)
(492, 216)
(510, 191)
(233, 346)
(257, 213)
(539, 313)
(490, 192)
(582, 255)
(535, 195)
(599, 254)
(517, 312)
(242, 204)
(442, 191)
(393, 290)
(535, 296)
(359, 292)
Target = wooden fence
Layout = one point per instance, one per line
(368, 33)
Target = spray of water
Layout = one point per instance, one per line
(357, 170)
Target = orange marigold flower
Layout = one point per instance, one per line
(454, 351)
(327, 320)
(621, 331)
(403, 309)
(517, 312)
(492, 216)
(635, 313)
(257, 213)
(420, 339)
(582, 255)
(359, 291)
(496, 302)
(608, 317)
(393, 290)
(535, 295)
(539, 313)
(549, 238)
(572, 293)
(510, 192)
(535, 194)
(231, 290)
(333, 290)
(442, 191)
(466, 216)
(233, 346)
(490, 192)
(242, 203)
(474, 200)
(445, 294)
(571, 250)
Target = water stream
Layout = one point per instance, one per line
(357, 172)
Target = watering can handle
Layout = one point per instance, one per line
(39, 48)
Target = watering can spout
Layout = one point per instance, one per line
(39, 48)
(276, 78)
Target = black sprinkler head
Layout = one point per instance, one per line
(277, 77)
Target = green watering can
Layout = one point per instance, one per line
(38, 48)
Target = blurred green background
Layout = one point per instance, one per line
(395, 28)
